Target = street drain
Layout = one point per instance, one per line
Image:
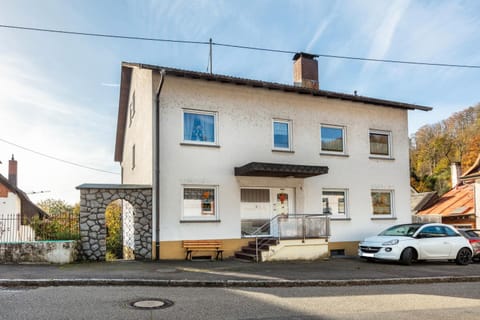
(151, 304)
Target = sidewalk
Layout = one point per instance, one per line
(233, 273)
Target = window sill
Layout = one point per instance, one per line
(284, 151)
(340, 219)
(383, 218)
(334, 154)
(192, 144)
(381, 158)
(200, 221)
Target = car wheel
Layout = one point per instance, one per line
(407, 256)
(464, 256)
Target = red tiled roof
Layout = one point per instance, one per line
(458, 201)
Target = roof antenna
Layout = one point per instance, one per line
(211, 66)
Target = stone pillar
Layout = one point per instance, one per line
(143, 224)
(93, 231)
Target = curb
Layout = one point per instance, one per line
(12, 283)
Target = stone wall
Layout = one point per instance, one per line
(39, 252)
(93, 202)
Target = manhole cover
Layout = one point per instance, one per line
(149, 304)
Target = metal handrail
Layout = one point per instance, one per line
(256, 232)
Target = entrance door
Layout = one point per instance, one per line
(282, 201)
(259, 205)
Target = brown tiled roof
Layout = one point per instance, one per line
(456, 202)
(277, 86)
(126, 78)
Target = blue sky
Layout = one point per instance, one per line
(59, 93)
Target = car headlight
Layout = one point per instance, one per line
(390, 243)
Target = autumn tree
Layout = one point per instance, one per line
(113, 220)
(433, 148)
(55, 207)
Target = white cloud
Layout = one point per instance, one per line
(35, 116)
(106, 84)
(384, 34)
(321, 28)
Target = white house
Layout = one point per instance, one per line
(15, 208)
(226, 155)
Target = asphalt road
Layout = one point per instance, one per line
(423, 301)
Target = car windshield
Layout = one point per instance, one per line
(404, 230)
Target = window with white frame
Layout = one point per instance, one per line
(334, 202)
(199, 203)
(282, 135)
(200, 127)
(332, 139)
(380, 143)
(382, 203)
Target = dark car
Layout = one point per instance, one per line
(473, 237)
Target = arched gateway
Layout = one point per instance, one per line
(94, 199)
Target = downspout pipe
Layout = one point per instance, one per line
(156, 163)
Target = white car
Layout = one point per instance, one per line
(412, 242)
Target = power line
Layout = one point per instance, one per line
(434, 64)
(57, 159)
(100, 35)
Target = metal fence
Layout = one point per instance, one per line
(14, 228)
(301, 227)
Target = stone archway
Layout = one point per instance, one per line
(94, 199)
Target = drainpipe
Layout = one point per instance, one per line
(156, 164)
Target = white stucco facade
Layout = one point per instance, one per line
(244, 121)
(138, 130)
(10, 205)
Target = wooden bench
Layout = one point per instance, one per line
(203, 245)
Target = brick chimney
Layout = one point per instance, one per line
(12, 171)
(305, 70)
(456, 172)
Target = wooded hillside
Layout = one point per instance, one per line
(434, 147)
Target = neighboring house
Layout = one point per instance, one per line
(225, 155)
(421, 200)
(458, 207)
(15, 208)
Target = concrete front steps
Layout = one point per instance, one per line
(248, 253)
(271, 249)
